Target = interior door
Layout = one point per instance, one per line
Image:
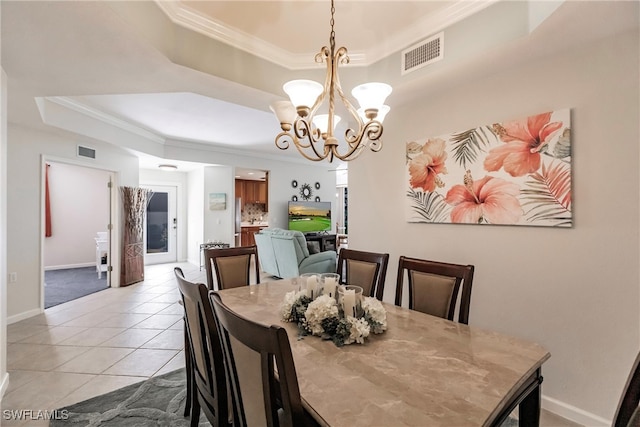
(161, 223)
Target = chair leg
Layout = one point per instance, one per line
(189, 372)
(195, 412)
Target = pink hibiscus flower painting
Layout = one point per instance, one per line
(522, 169)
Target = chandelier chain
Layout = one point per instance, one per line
(332, 37)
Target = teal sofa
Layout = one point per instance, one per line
(285, 254)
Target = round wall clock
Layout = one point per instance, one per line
(294, 183)
(305, 191)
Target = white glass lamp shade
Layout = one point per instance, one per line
(284, 111)
(371, 95)
(321, 121)
(303, 92)
(382, 113)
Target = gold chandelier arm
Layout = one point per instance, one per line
(368, 136)
(306, 137)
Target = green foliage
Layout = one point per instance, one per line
(562, 149)
(429, 205)
(548, 195)
(468, 145)
(297, 314)
(343, 330)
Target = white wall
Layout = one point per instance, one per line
(219, 225)
(4, 376)
(25, 205)
(195, 214)
(79, 199)
(575, 291)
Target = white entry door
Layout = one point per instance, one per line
(161, 222)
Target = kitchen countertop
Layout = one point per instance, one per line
(255, 224)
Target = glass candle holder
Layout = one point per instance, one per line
(310, 283)
(350, 300)
(330, 283)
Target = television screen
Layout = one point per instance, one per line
(310, 217)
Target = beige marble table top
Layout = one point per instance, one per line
(423, 371)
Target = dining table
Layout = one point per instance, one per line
(422, 371)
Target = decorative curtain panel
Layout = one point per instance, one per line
(134, 203)
(47, 204)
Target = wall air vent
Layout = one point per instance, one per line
(424, 53)
(86, 152)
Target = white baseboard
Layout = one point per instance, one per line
(4, 385)
(22, 316)
(574, 414)
(64, 267)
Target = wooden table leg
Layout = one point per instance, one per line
(529, 408)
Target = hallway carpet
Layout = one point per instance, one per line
(65, 285)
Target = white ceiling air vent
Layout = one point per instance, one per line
(424, 53)
(86, 152)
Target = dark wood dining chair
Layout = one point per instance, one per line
(232, 266)
(434, 286)
(209, 391)
(253, 352)
(628, 412)
(365, 269)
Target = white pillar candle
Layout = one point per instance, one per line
(312, 284)
(349, 302)
(330, 286)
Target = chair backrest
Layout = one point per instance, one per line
(365, 269)
(627, 414)
(207, 358)
(433, 287)
(252, 353)
(232, 266)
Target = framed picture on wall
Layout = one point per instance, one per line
(217, 201)
(513, 172)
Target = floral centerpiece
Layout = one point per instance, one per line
(325, 318)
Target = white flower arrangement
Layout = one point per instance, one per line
(322, 317)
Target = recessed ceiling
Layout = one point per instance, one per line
(189, 116)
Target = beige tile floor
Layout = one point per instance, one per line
(102, 342)
(96, 344)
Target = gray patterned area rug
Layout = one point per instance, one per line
(158, 401)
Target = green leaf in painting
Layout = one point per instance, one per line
(429, 206)
(468, 145)
(548, 195)
(562, 149)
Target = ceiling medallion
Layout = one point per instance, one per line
(312, 134)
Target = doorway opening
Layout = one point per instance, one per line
(77, 242)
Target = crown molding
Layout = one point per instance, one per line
(186, 17)
(84, 109)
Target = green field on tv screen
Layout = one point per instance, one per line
(307, 224)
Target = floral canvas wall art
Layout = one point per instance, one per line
(515, 172)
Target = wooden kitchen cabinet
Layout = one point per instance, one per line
(252, 192)
(246, 235)
(261, 192)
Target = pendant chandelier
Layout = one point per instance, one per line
(311, 133)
